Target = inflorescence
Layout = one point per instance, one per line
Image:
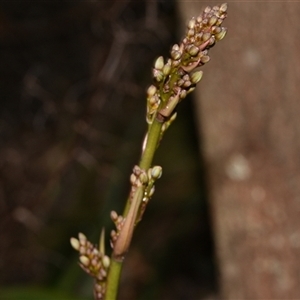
(93, 261)
(138, 178)
(177, 77)
(173, 80)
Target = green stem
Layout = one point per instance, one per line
(148, 154)
(151, 145)
(113, 280)
(145, 164)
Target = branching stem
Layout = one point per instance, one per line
(130, 213)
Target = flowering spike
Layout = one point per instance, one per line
(93, 261)
(173, 80)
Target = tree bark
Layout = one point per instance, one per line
(248, 110)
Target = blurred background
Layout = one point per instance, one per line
(224, 221)
(247, 110)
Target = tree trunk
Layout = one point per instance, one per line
(248, 109)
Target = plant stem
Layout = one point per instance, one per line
(151, 145)
(113, 280)
(153, 137)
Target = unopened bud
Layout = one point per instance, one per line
(143, 178)
(196, 76)
(105, 261)
(113, 215)
(176, 55)
(182, 94)
(207, 9)
(152, 100)
(180, 82)
(191, 23)
(84, 260)
(75, 243)
(206, 36)
(191, 32)
(175, 47)
(159, 63)
(223, 7)
(199, 19)
(156, 172)
(175, 63)
(205, 59)
(213, 20)
(221, 35)
(167, 69)
(158, 75)
(216, 29)
(193, 50)
(82, 238)
(151, 90)
(187, 83)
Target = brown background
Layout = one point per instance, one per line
(248, 110)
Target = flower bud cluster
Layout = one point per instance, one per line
(147, 179)
(93, 262)
(141, 177)
(177, 77)
(119, 222)
(138, 178)
(153, 174)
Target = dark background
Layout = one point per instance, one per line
(73, 76)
